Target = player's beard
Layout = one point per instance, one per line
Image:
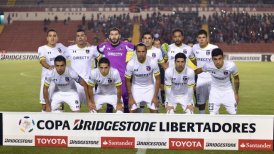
(178, 43)
(114, 41)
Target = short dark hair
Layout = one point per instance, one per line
(202, 31)
(80, 30)
(104, 60)
(114, 29)
(180, 55)
(177, 30)
(141, 44)
(217, 52)
(60, 58)
(147, 33)
(51, 30)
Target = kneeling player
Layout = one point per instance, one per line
(109, 88)
(179, 82)
(221, 91)
(141, 69)
(65, 89)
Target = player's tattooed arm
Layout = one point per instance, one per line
(236, 87)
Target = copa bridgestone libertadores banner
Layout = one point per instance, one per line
(152, 131)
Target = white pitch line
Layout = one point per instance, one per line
(28, 76)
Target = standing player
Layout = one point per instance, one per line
(221, 91)
(47, 54)
(202, 52)
(141, 69)
(116, 51)
(179, 83)
(65, 89)
(109, 86)
(177, 47)
(156, 54)
(81, 56)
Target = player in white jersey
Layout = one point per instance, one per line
(179, 83)
(156, 54)
(81, 56)
(47, 54)
(109, 86)
(202, 51)
(177, 47)
(221, 92)
(141, 69)
(65, 90)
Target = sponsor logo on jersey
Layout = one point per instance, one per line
(186, 143)
(255, 145)
(53, 141)
(117, 142)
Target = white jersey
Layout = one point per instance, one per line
(106, 84)
(179, 82)
(64, 82)
(221, 77)
(49, 54)
(81, 59)
(203, 55)
(142, 73)
(156, 54)
(173, 50)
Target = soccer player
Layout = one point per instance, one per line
(221, 91)
(177, 47)
(156, 54)
(81, 55)
(65, 90)
(141, 69)
(202, 51)
(47, 54)
(116, 51)
(179, 83)
(109, 86)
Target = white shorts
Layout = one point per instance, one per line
(222, 97)
(81, 93)
(71, 98)
(202, 90)
(143, 94)
(50, 90)
(100, 100)
(181, 99)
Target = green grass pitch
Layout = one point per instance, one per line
(20, 84)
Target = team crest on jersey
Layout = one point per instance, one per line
(67, 79)
(185, 78)
(207, 52)
(109, 80)
(185, 51)
(87, 51)
(60, 51)
(148, 68)
(153, 55)
(76, 102)
(197, 52)
(225, 72)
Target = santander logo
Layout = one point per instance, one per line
(256, 145)
(117, 142)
